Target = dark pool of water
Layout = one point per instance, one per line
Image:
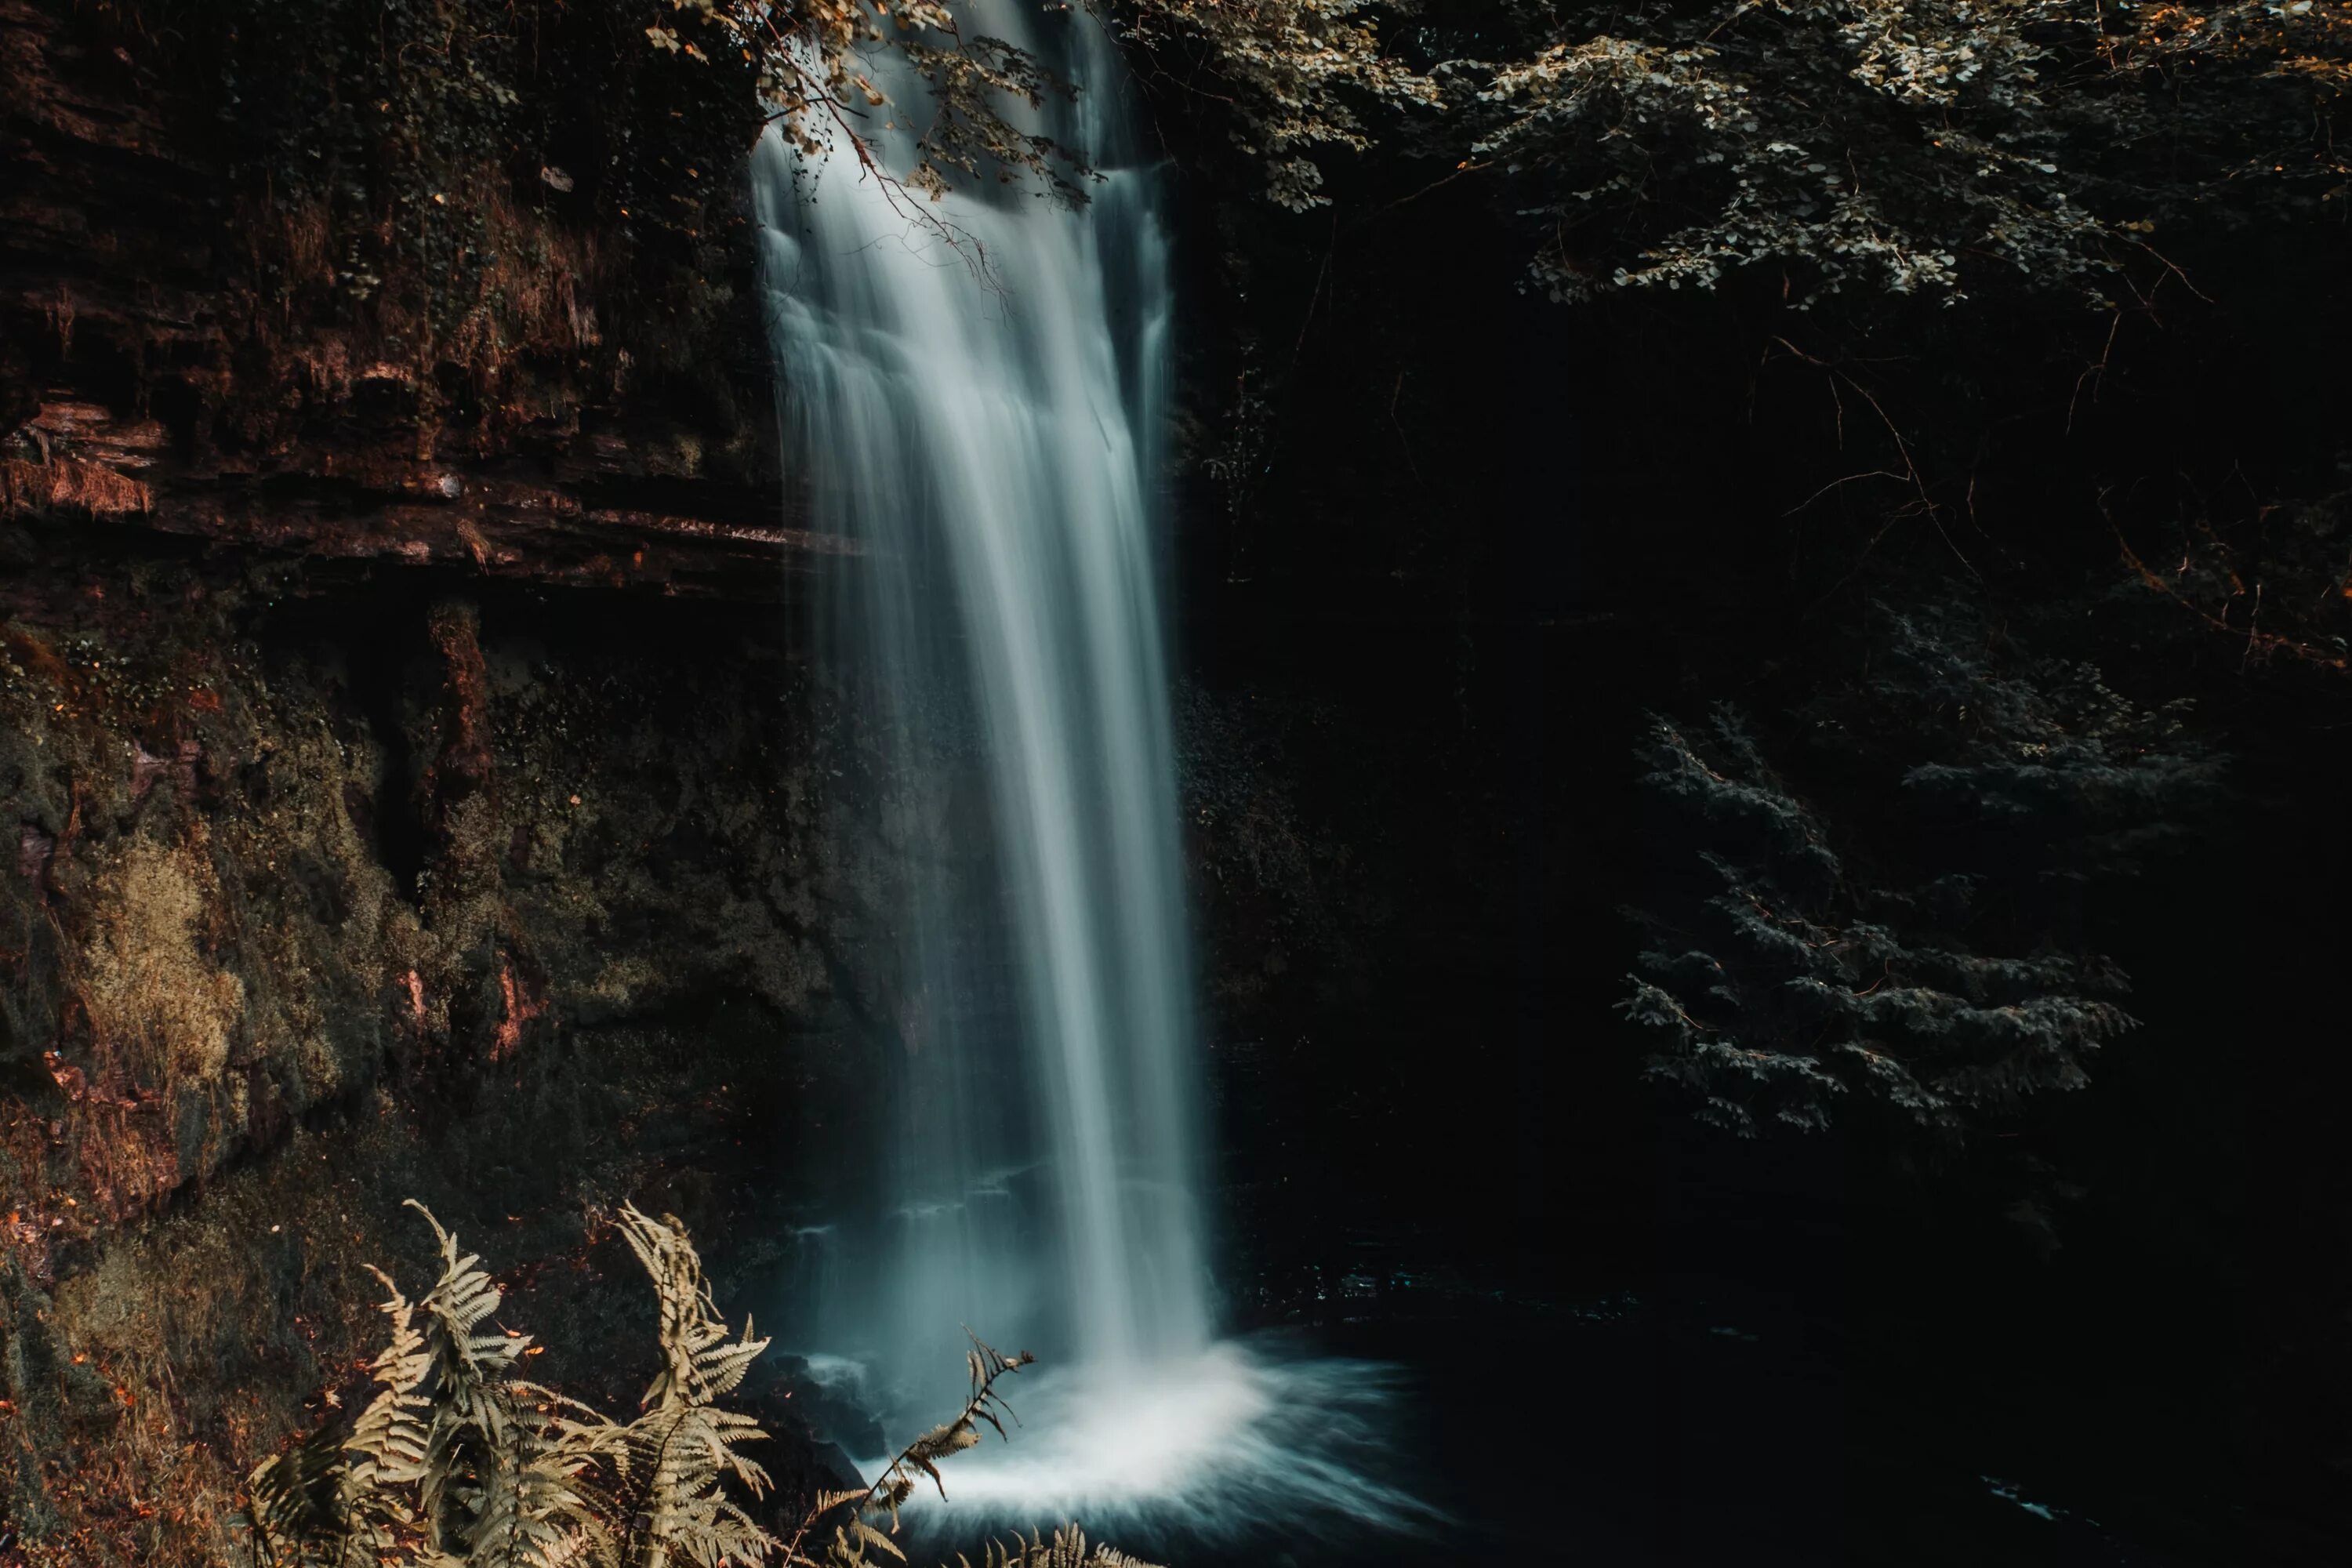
(1718, 1428)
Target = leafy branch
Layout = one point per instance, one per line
(897, 1482)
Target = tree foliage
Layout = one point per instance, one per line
(1302, 76)
(1909, 146)
(824, 73)
(2274, 580)
(1794, 978)
(1905, 146)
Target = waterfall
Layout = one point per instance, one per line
(981, 414)
(979, 410)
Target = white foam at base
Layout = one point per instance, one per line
(1232, 1439)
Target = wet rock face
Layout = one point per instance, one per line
(338, 883)
(539, 392)
(393, 889)
(410, 788)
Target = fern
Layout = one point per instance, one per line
(326, 1503)
(534, 1510)
(860, 1531)
(1067, 1549)
(889, 1491)
(456, 1463)
(468, 1438)
(296, 1512)
(670, 1466)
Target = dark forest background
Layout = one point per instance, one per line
(2039, 592)
(1788, 804)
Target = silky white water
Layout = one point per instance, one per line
(978, 411)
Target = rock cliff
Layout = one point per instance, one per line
(413, 781)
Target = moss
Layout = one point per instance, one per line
(149, 986)
(479, 185)
(244, 1032)
(343, 239)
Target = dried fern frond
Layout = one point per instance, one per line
(987, 1365)
(465, 1364)
(699, 1362)
(321, 1501)
(468, 1439)
(534, 1510)
(390, 1440)
(895, 1484)
(1069, 1549)
(848, 1548)
(294, 1509)
(455, 1463)
(666, 1473)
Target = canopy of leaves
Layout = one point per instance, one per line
(827, 72)
(1902, 146)
(1300, 74)
(1791, 981)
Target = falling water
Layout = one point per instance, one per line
(973, 392)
